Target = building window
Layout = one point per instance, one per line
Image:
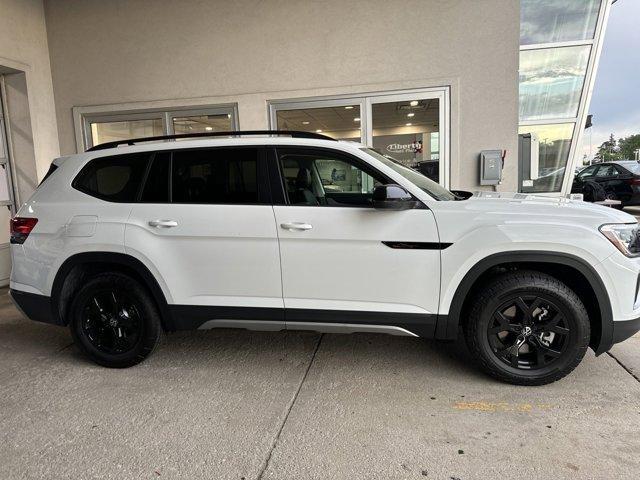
(558, 44)
(341, 122)
(552, 21)
(551, 82)
(411, 126)
(109, 126)
(105, 131)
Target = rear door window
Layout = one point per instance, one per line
(116, 178)
(216, 176)
(156, 187)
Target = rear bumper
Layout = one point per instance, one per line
(33, 306)
(625, 329)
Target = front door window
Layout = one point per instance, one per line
(320, 178)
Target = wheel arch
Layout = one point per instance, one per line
(574, 271)
(77, 267)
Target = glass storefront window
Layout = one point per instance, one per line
(555, 143)
(114, 131)
(203, 124)
(551, 82)
(409, 132)
(551, 21)
(339, 122)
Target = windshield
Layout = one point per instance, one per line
(434, 189)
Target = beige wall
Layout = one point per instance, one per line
(157, 53)
(23, 48)
(31, 116)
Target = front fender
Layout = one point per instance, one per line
(448, 323)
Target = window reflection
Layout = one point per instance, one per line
(203, 124)
(114, 131)
(551, 82)
(555, 143)
(340, 122)
(547, 21)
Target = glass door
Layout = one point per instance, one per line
(7, 203)
(410, 128)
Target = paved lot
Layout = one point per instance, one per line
(234, 404)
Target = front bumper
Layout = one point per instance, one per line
(625, 329)
(33, 306)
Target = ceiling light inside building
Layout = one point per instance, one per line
(408, 124)
(357, 119)
(305, 123)
(349, 107)
(228, 115)
(414, 103)
(410, 115)
(208, 129)
(318, 131)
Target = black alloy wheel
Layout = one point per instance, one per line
(111, 321)
(528, 332)
(527, 328)
(114, 320)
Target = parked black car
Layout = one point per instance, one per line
(620, 180)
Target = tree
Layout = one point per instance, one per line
(628, 146)
(608, 151)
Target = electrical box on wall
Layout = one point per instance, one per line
(490, 167)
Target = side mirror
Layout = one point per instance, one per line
(392, 197)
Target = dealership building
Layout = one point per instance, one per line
(441, 86)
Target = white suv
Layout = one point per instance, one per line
(305, 232)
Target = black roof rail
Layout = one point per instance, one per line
(133, 141)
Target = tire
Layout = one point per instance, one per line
(515, 341)
(114, 321)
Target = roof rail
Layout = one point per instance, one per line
(133, 141)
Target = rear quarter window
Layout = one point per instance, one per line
(115, 179)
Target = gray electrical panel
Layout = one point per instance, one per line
(490, 167)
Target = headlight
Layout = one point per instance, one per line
(624, 237)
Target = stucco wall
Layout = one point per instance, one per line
(33, 135)
(167, 53)
(23, 47)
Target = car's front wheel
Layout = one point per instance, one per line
(527, 328)
(114, 321)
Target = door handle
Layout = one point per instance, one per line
(163, 223)
(296, 226)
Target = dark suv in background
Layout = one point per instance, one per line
(620, 180)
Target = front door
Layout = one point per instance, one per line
(344, 262)
(205, 223)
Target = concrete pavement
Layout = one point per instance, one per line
(242, 405)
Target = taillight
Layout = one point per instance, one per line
(634, 181)
(21, 228)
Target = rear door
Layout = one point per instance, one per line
(205, 224)
(344, 262)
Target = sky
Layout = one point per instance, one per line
(615, 104)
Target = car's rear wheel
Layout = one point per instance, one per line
(527, 328)
(114, 321)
